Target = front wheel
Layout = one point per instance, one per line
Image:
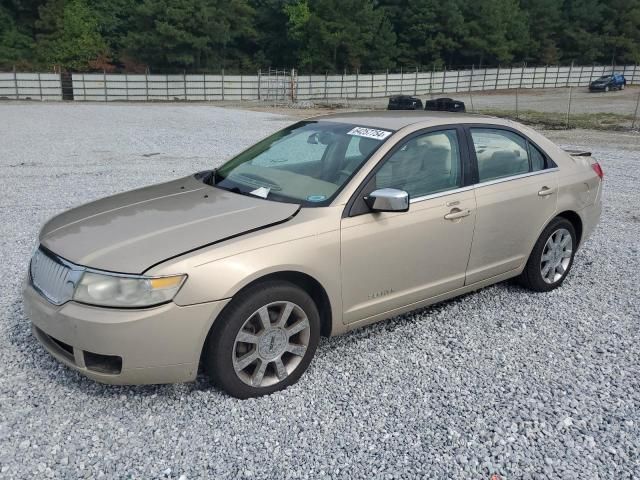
(263, 341)
(551, 258)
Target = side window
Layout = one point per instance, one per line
(537, 159)
(500, 153)
(426, 164)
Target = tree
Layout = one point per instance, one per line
(429, 31)
(68, 35)
(544, 19)
(581, 38)
(191, 34)
(16, 46)
(496, 31)
(332, 35)
(275, 48)
(621, 29)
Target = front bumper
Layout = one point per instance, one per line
(117, 346)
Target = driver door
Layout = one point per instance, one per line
(394, 259)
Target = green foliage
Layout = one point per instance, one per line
(16, 47)
(69, 35)
(196, 35)
(314, 35)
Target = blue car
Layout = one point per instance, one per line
(615, 81)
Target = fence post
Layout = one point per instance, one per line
(433, 70)
(184, 84)
(484, 79)
(104, 81)
(415, 83)
(471, 88)
(146, 82)
(40, 87)
(444, 78)
(222, 85)
(580, 76)
(126, 87)
(166, 85)
(635, 115)
(357, 81)
(293, 85)
(569, 106)
(386, 83)
(495, 86)
(517, 107)
(342, 85)
(509, 81)
(569, 76)
(457, 79)
(15, 82)
(259, 78)
(325, 84)
(401, 81)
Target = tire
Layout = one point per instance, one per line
(250, 353)
(534, 276)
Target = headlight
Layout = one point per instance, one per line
(126, 290)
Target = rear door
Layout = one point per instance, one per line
(516, 193)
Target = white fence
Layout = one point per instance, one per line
(363, 86)
(288, 86)
(34, 86)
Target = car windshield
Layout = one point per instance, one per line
(307, 163)
(605, 77)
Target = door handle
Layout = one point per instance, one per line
(545, 191)
(457, 213)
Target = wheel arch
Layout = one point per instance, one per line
(308, 283)
(575, 220)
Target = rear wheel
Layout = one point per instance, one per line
(263, 341)
(551, 258)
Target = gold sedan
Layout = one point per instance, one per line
(330, 224)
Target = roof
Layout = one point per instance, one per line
(397, 119)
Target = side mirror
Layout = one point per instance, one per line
(388, 200)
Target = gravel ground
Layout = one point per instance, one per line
(499, 381)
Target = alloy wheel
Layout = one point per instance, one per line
(271, 344)
(556, 256)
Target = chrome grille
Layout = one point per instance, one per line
(51, 278)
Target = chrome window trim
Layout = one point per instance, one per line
(441, 194)
(515, 177)
(482, 184)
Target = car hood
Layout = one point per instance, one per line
(135, 230)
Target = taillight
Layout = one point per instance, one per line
(598, 169)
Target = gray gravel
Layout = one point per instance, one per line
(499, 381)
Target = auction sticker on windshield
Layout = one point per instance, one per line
(369, 133)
